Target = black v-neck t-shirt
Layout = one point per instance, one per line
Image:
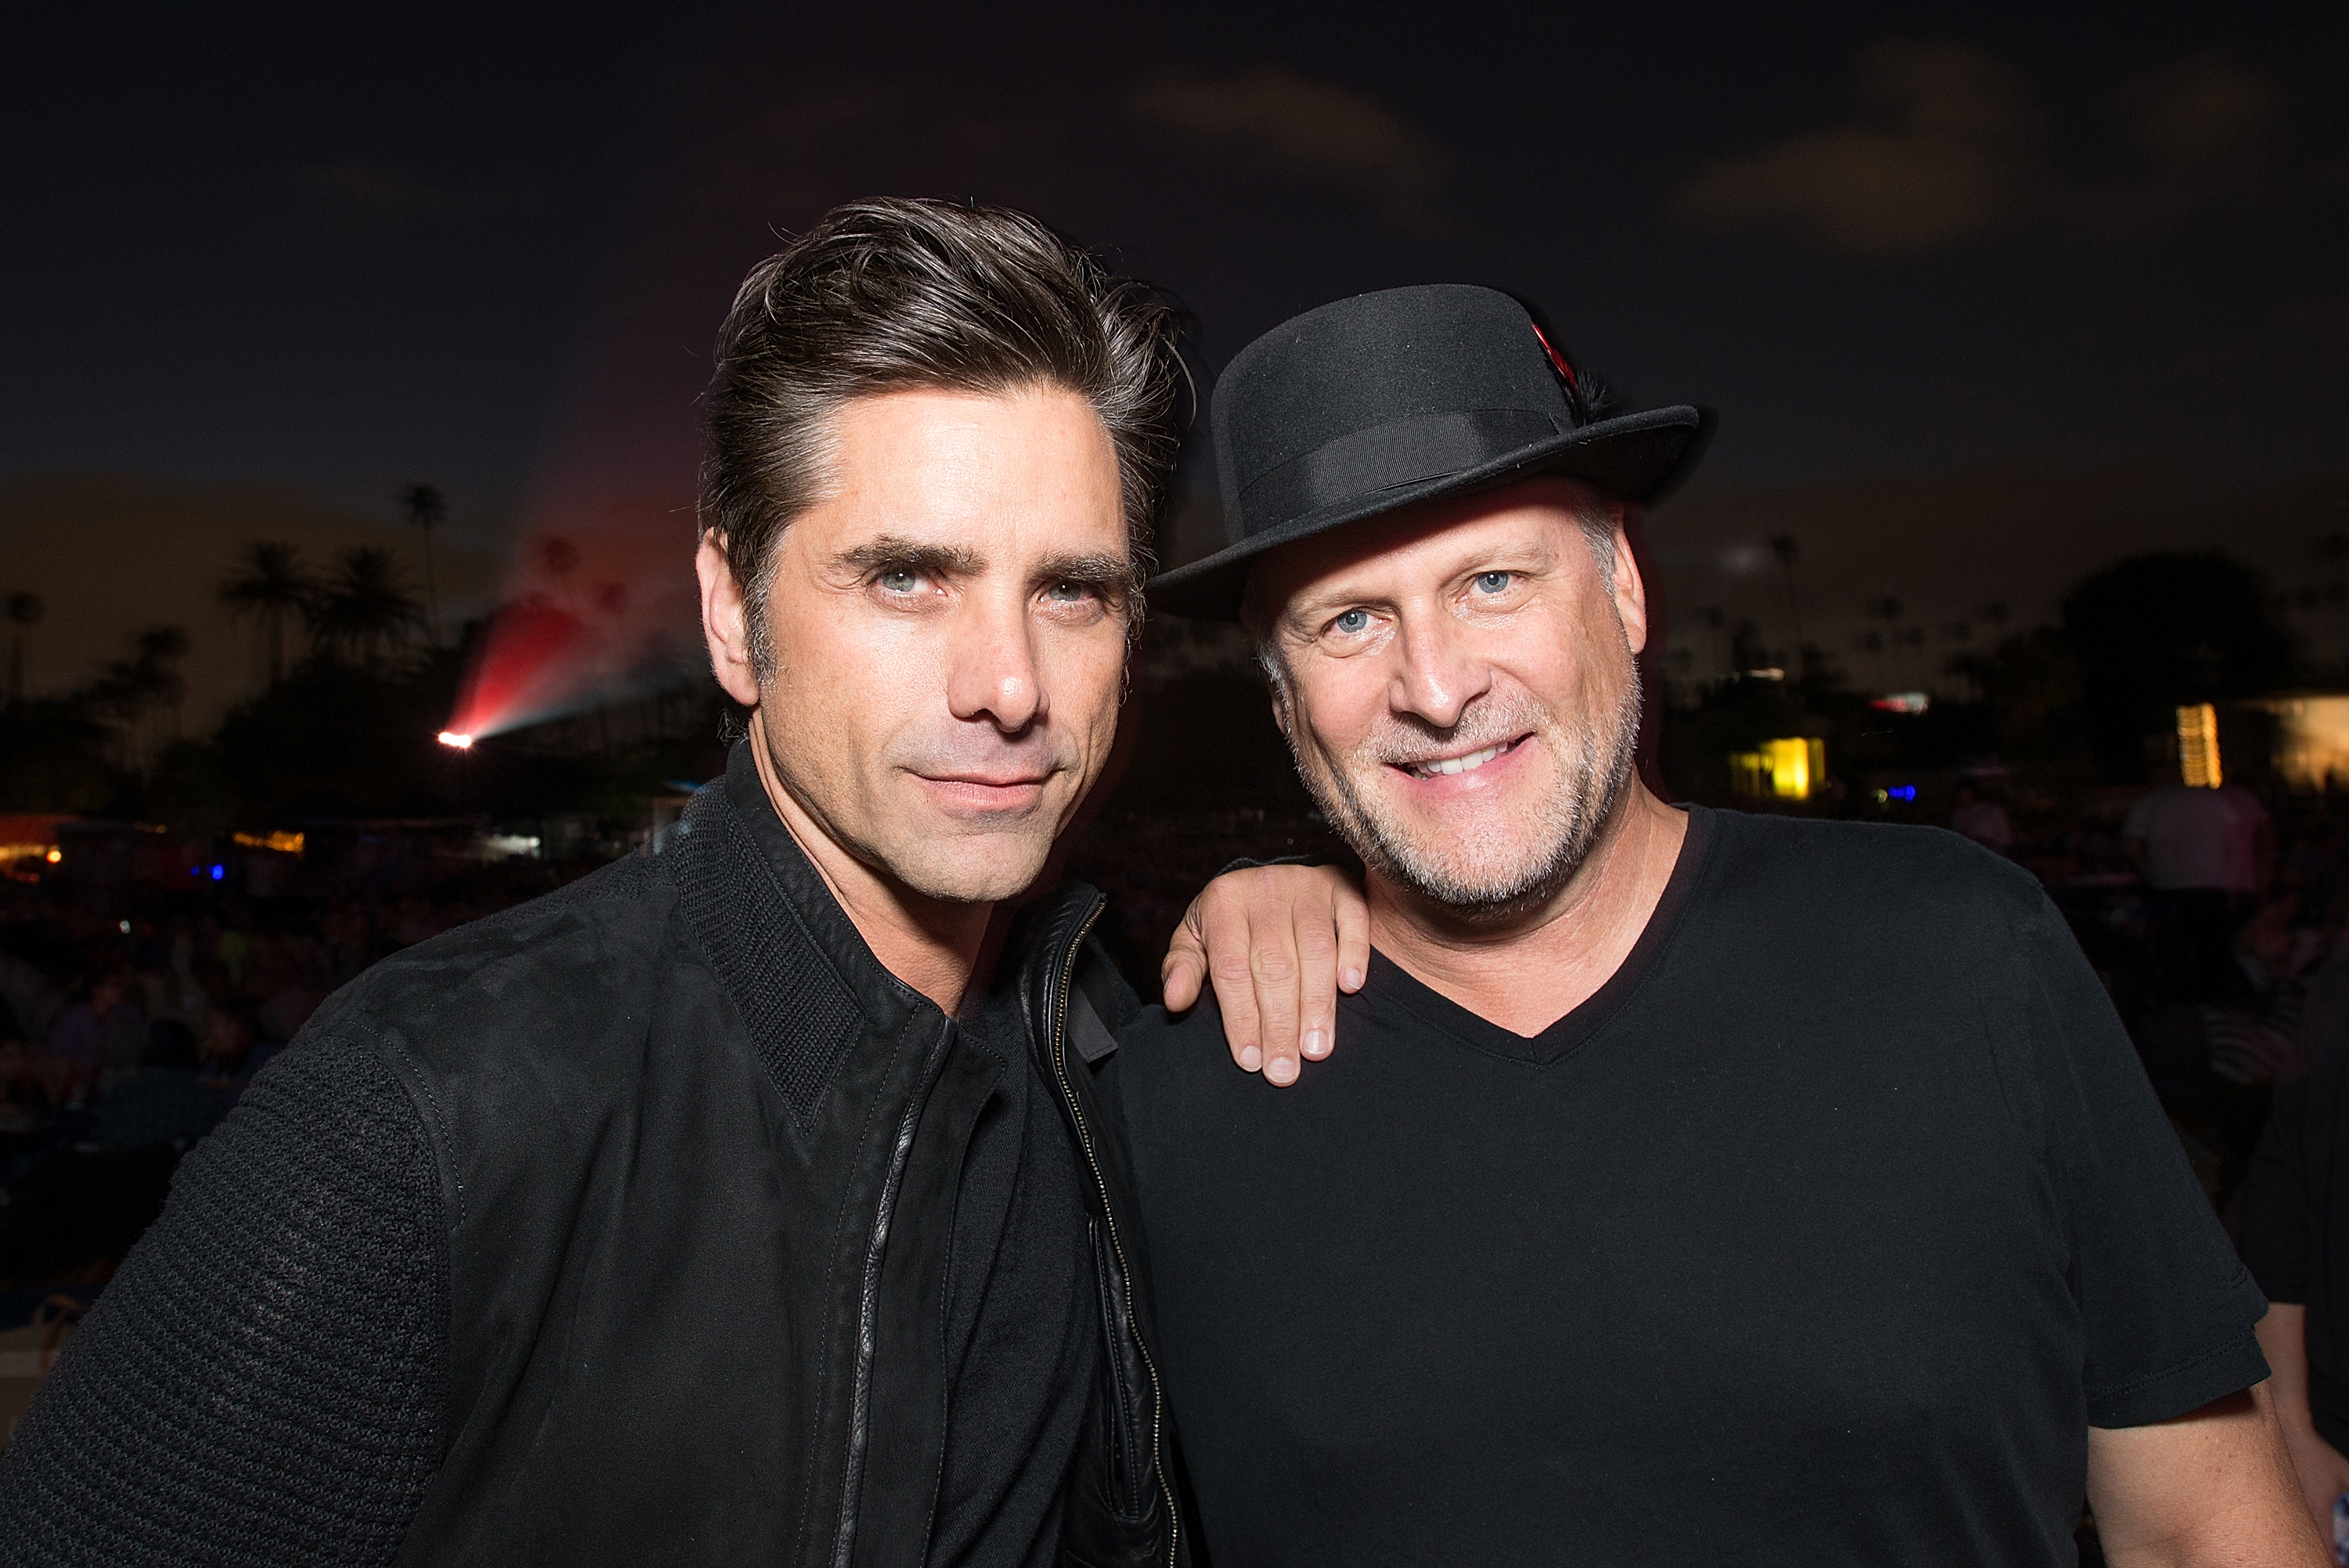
(1820, 1233)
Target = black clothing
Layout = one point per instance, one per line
(2295, 1231)
(678, 1164)
(1821, 1234)
(262, 1381)
(1022, 1328)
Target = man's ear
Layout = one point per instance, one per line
(1630, 589)
(726, 621)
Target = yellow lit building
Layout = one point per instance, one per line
(1791, 768)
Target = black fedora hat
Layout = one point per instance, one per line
(1385, 400)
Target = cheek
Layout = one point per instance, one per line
(1086, 679)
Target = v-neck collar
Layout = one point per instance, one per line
(1562, 1038)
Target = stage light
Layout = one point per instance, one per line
(450, 737)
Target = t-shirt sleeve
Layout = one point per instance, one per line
(2166, 1308)
(261, 1381)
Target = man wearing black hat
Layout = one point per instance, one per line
(1692, 1186)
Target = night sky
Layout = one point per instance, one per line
(2076, 271)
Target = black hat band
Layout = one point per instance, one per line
(1399, 452)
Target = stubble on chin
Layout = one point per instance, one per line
(1495, 875)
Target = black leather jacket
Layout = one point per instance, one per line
(698, 1154)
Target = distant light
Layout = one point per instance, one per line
(506, 846)
(2197, 746)
(55, 855)
(1901, 702)
(1771, 673)
(219, 870)
(1792, 768)
(125, 928)
(285, 843)
(451, 737)
(1902, 793)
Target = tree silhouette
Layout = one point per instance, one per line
(428, 508)
(561, 559)
(269, 583)
(128, 688)
(1887, 609)
(366, 608)
(1789, 551)
(24, 612)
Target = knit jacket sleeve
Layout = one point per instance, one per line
(262, 1381)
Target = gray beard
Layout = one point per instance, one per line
(1566, 829)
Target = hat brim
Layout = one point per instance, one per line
(1639, 457)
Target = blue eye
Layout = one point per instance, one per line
(1066, 592)
(1351, 621)
(898, 579)
(1495, 582)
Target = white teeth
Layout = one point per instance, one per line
(1469, 763)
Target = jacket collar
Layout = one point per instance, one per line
(794, 963)
(788, 956)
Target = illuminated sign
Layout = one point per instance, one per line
(1793, 769)
(2311, 749)
(2198, 746)
(283, 843)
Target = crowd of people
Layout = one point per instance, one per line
(132, 1023)
(129, 1027)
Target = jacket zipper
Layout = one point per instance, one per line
(1109, 1216)
(844, 1545)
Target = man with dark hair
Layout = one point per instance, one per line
(1692, 1186)
(741, 1204)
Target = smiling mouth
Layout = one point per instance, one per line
(1467, 763)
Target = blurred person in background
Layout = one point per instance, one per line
(88, 1031)
(2207, 856)
(1981, 819)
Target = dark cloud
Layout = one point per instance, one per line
(1304, 129)
(1946, 151)
(1949, 148)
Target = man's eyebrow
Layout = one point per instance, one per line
(1091, 568)
(912, 555)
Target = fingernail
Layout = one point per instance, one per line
(1250, 1058)
(1317, 1043)
(1281, 1070)
(1353, 978)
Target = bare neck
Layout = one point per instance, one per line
(1531, 972)
(930, 944)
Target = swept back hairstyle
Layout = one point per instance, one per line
(894, 294)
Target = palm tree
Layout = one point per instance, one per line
(270, 582)
(149, 678)
(366, 607)
(24, 611)
(1788, 549)
(561, 558)
(426, 508)
(1889, 609)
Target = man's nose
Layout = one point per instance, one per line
(1437, 674)
(992, 673)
